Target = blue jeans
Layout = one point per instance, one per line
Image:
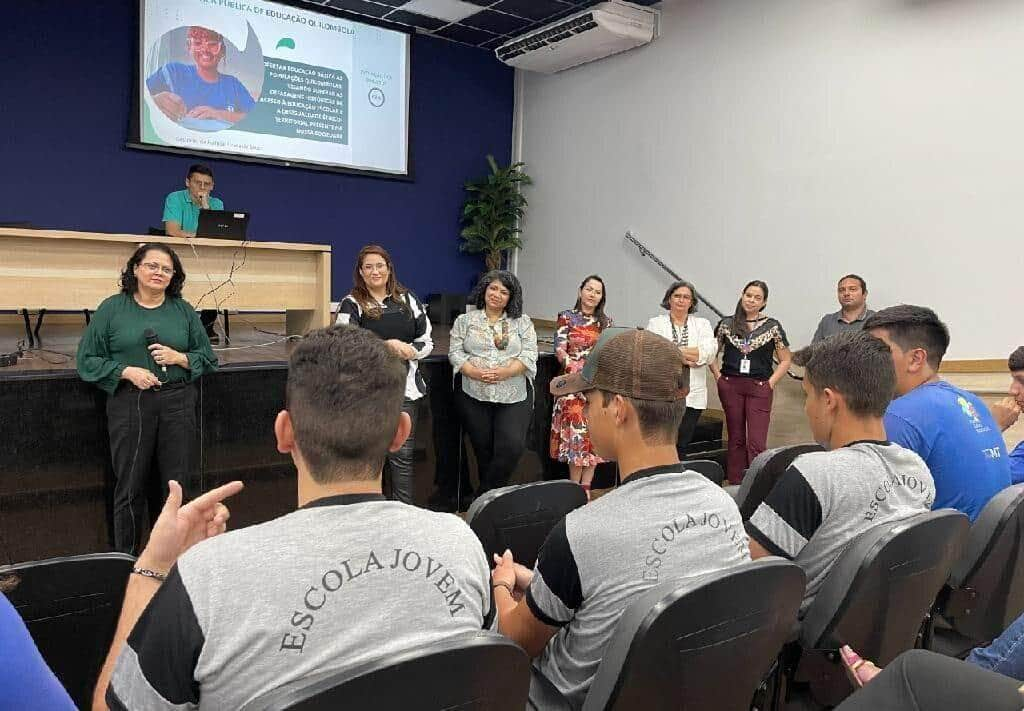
(1006, 653)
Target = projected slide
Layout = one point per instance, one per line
(265, 80)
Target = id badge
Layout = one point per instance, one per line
(745, 366)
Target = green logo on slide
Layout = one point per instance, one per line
(286, 42)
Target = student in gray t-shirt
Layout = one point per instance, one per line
(346, 578)
(852, 293)
(663, 523)
(825, 499)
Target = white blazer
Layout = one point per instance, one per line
(703, 337)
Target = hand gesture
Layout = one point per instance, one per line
(164, 355)
(178, 527)
(508, 572)
(206, 112)
(140, 377)
(172, 105)
(690, 355)
(401, 349)
(1005, 412)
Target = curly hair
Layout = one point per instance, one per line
(130, 284)
(514, 308)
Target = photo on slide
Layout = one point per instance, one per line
(200, 80)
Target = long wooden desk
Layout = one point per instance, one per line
(75, 271)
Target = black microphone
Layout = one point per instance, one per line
(150, 335)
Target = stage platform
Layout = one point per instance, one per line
(56, 485)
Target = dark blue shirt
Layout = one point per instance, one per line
(25, 680)
(954, 433)
(184, 80)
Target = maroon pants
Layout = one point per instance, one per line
(748, 411)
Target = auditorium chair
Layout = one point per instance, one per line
(985, 591)
(711, 470)
(519, 518)
(482, 671)
(762, 474)
(70, 606)
(874, 599)
(696, 645)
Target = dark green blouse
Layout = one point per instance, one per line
(114, 340)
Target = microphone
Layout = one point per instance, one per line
(150, 335)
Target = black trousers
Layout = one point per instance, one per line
(151, 431)
(399, 464)
(498, 435)
(919, 680)
(687, 427)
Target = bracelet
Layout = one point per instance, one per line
(508, 587)
(147, 573)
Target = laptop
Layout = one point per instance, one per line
(222, 224)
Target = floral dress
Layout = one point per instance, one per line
(577, 333)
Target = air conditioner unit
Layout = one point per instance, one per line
(603, 30)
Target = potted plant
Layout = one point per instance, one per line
(492, 212)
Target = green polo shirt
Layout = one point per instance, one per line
(178, 207)
(115, 338)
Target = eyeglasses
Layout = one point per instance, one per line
(369, 268)
(202, 184)
(210, 45)
(154, 267)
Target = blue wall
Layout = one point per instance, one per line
(67, 70)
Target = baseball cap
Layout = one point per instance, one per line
(633, 362)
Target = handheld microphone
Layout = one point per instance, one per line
(151, 338)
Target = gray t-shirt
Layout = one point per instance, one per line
(826, 499)
(662, 524)
(831, 324)
(341, 581)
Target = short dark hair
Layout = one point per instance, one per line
(863, 284)
(913, 327)
(658, 419)
(344, 395)
(679, 283)
(200, 168)
(1016, 361)
(855, 364)
(130, 284)
(514, 309)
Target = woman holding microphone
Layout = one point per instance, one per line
(696, 341)
(145, 347)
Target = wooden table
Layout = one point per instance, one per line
(74, 271)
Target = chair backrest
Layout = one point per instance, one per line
(702, 644)
(764, 471)
(883, 584)
(989, 578)
(710, 469)
(478, 672)
(70, 606)
(519, 518)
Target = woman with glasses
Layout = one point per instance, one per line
(379, 303)
(494, 347)
(199, 91)
(577, 332)
(696, 341)
(145, 347)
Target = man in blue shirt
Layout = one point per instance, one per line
(181, 219)
(951, 429)
(1008, 410)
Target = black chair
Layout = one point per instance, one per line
(985, 591)
(874, 599)
(477, 672)
(71, 606)
(705, 643)
(519, 518)
(711, 470)
(763, 473)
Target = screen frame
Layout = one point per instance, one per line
(134, 141)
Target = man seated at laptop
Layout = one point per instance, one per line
(346, 578)
(950, 428)
(826, 499)
(663, 523)
(181, 218)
